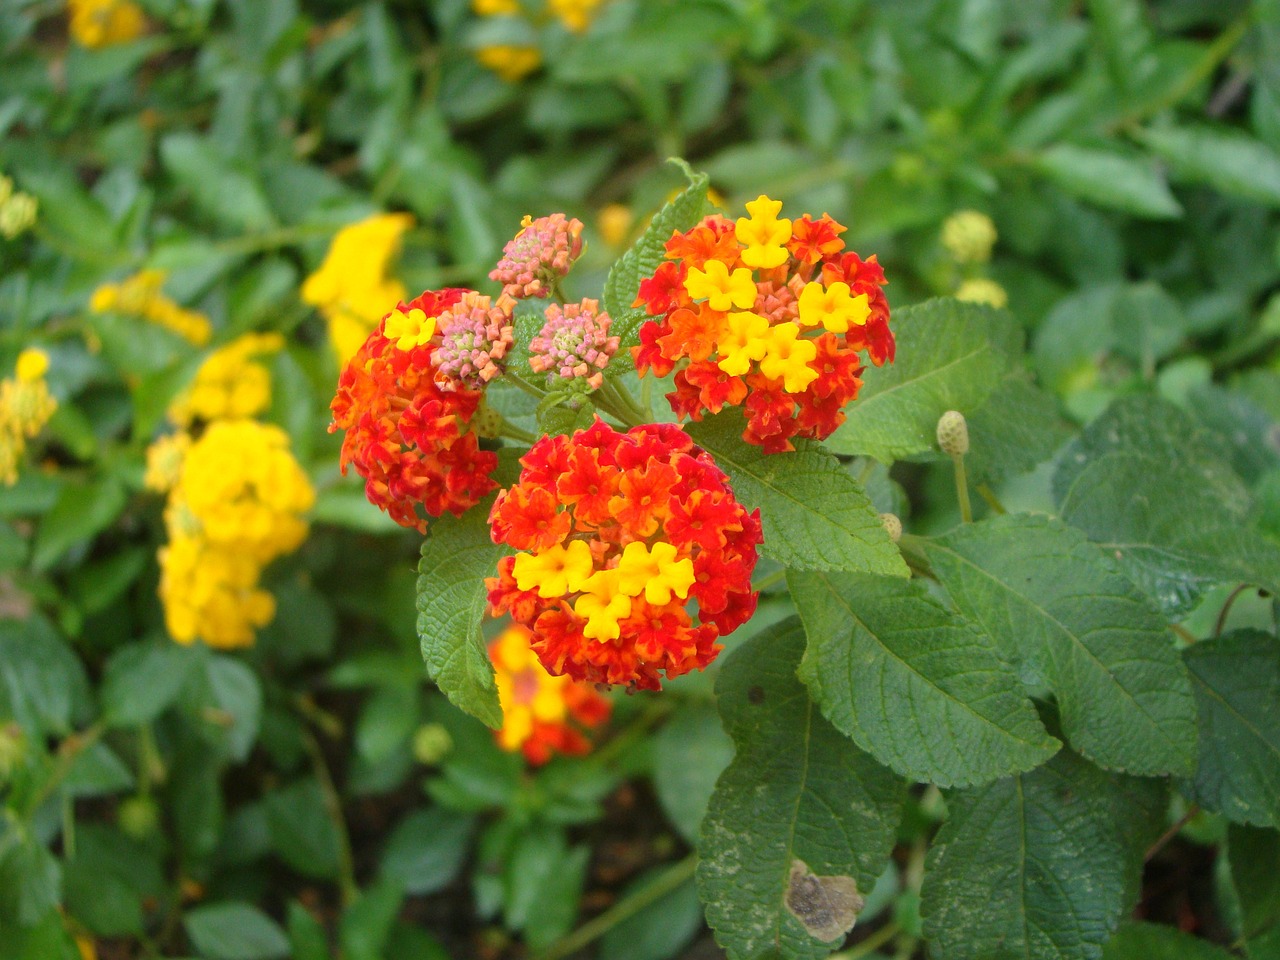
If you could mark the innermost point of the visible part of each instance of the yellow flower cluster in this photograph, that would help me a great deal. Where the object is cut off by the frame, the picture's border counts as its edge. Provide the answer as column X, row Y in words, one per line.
column 969, row 236
column 102, row 23
column 236, row 506
column 17, row 210
column 25, row 407
column 351, row 287
column 230, row 384
column 141, row 296
column 514, row 61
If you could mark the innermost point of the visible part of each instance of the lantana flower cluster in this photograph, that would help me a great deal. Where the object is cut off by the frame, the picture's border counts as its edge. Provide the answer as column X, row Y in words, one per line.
column 25, row 407
column 142, row 295
column 542, row 715
column 104, row 23
column 765, row 313
column 619, row 533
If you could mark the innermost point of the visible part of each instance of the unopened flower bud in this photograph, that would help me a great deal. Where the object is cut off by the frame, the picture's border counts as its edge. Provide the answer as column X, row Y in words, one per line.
column 953, row 433
column 969, row 236
column 138, row 816
column 983, row 290
column 892, row 526
column 431, row 744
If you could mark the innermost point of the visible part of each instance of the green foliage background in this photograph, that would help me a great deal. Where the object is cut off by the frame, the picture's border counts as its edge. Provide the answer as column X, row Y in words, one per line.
column 1017, row 724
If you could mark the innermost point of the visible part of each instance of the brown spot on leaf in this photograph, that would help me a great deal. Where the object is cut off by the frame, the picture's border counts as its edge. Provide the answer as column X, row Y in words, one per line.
column 827, row 906
column 755, row 695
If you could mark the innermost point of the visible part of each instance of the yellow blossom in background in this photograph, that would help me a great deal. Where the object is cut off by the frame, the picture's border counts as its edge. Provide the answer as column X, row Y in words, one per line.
column 236, row 505
column 141, row 296
column 17, row 210
column 614, row 223
column 496, row 8
column 164, row 461
column 969, row 236
column 509, row 61
column 351, row 287
column 982, row 290
column 101, row 23
column 574, row 14
column 230, row 384
column 25, row 407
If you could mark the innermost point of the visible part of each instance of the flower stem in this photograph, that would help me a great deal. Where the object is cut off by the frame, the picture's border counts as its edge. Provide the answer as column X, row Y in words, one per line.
column 962, row 489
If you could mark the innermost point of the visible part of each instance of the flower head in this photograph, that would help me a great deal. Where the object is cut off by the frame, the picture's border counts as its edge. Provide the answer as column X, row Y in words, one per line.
column 230, row 384
column 623, row 538
column 25, row 407
column 141, row 296
column 103, row 23
column 983, row 290
column 539, row 255
column 969, row 236
column 574, row 342
column 541, row 714
column 410, row 438
column 767, row 313
column 474, row 334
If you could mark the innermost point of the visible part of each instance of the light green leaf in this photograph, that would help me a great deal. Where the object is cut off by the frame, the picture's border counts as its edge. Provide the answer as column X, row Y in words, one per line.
column 221, row 188
column 797, row 790
column 41, row 678
column 1236, row 164
column 1059, row 610
column 234, row 931
column 1149, row 941
column 456, row 558
column 1236, row 679
column 683, row 212
column 427, row 849
column 143, row 679
column 951, row 356
column 815, row 516
column 892, row 668
column 660, row 929
column 1109, row 179
column 30, row 877
column 236, row 692
column 1017, row 428
column 1040, row 866
column 1125, row 38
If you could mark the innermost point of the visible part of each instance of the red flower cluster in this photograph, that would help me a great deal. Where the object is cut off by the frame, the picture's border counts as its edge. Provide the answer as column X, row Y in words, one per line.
column 620, row 532
column 407, row 437
column 737, row 306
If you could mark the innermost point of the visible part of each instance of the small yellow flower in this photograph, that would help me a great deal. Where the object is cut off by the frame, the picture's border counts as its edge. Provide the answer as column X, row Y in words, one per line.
column 555, row 571
column 574, row 14
column 409, row 330
column 104, row 23
column 832, row 307
column 614, row 224
column 982, row 290
column 763, row 233
column 969, row 236
column 788, row 356
column 721, row 289
column 32, row 365
column 496, row 8
column 141, row 296
column 511, row 62
column 164, row 461
column 602, row 605
column 654, row 571
column 746, row 340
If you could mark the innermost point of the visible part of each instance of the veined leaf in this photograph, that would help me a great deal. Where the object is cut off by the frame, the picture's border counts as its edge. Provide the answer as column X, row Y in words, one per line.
column 1017, row 428
column 1109, row 179
column 1041, row 865
column 951, row 356
column 815, row 515
column 683, row 212
column 797, row 790
column 1058, row 608
column 456, row 558
column 1150, row 941
column 913, row 684
column 1236, row 164
column 1236, row 679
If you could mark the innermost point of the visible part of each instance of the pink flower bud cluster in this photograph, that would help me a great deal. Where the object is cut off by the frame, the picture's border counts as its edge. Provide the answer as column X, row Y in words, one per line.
column 475, row 334
column 574, row 342
column 539, row 255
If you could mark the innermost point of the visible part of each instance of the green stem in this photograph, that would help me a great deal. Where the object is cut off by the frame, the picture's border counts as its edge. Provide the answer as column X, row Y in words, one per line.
column 872, row 943
column 1226, row 609
column 993, row 501
column 524, row 385
column 677, row 875
column 962, row 489
column 510, row 431
column 333, row 807
column 1172, row 832
column 68, row 751
column 766, row 582
column 1183, row 632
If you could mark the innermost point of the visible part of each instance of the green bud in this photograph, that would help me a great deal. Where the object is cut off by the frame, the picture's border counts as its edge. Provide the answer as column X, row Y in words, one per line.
column 138, row 816
column 431, row 744
column 13, row 749
column 892, row 526
column 953, row 433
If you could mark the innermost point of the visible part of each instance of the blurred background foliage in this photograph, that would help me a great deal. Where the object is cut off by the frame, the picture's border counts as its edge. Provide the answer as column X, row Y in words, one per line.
column 313, row 795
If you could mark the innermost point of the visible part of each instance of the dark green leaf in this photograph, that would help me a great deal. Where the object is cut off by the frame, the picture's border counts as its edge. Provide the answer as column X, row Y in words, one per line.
column 1148, row 941
column 689, row 754
column 143, row 679
column 1229, row 161
column 302, row 831
column 41, row 679
column 82, row 511
column 796, row 791
column 1254, row 856
column 1108, row 179
column 891, row 667
column 1057, row 608
column 1017, row 428
column 427, row 849
column 234, row 931
column 660, row 929
column 30, row 878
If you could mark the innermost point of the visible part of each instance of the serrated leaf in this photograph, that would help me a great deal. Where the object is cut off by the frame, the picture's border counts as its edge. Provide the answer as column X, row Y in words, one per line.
column 1149, row 941
column 1109, row 179
column 815, row 515
column 1236, row 679
column 1231, row 162
column 891, row 667
column 683, row 212
column 1059, row 609
column 797, row 790
column 234, row 931
column 1039, row 866
column 1018, row 428
column 456, row 558
column 1158, row 494
column 951, row 356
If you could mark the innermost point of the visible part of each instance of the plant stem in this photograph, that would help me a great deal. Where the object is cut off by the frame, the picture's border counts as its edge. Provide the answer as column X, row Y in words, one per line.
column 333, row 807
column 68, row 750
column 510, row 431
column 524, row 385
column 1172, row 832
column 765, row 583
column 1183, row 632
column 993, row 501
column 962, row 489
column 593, row 929
column 872, row 943
column 1226, row 609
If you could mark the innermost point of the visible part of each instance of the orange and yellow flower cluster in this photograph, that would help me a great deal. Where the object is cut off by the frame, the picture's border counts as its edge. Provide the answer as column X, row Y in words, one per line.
column 408, row 427
column 765, row 313
column 618, row 533
column 541, row 714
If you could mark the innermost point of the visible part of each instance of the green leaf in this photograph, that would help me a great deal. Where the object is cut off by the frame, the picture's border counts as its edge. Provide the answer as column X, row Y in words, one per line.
column 815, row 515
column 796, row 791
column 1125, row 38
column 224, row 190
column 891, row 667
column 235, row 691
column 1254, row 856
column 30, row 877
column 456, row 558
column 41, row 678
column 143, row 679
column 1149, row 941
column 427, row 849
column 1157, row 492
column 1018, row 428
column 1236, row 679
column 301, row 830
column 1231, row 162
column 683, row 212
column 1108, row 179
column 1041, row 865
column 366, row 923
column 951, row 356
column 1059, row 610
column 234, row 931
column 689, row 754
column 83, row 510
column 660, row 929
column 109, row 878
